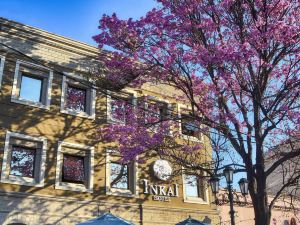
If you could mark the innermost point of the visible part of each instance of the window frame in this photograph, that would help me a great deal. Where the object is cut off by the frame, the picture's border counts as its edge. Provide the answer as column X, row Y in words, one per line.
column 180, row 108
column 42, row 94
column 109, row 100
column 46, row 87
column 169, row 108
column 85, row 108
column 133, row 190
column 39, row 165
column 90, row 97
column 34, row 160
column 77, row 150
column 128, row 173
column 63, row 179
column 204, row 199
column 2, row 62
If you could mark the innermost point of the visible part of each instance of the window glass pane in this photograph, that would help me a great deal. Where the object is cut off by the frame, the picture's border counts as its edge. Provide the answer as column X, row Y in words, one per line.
column 191, row 186
column 76, row 98
column 31, row 88
column 121, row 106
column 117, row 109
column 73, row 169
column 155, row 114
column 119, row 176
column 22, row 161
column 189, row 128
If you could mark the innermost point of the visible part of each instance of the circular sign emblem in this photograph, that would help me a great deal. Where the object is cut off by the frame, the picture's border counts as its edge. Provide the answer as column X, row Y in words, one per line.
column 162, row 169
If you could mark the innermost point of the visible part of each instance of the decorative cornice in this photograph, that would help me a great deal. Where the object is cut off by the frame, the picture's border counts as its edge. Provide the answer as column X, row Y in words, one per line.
column 40, row 36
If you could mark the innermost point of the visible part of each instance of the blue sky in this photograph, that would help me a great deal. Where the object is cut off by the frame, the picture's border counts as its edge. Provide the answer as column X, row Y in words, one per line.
column 76, row 19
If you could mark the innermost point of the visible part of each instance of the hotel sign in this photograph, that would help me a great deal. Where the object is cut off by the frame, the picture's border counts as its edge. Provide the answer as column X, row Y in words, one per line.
column 163, row 171
column 160, row 192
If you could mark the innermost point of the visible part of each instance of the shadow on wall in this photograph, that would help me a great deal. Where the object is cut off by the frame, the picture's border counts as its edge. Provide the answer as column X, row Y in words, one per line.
column 25, row 204
column 47, row 205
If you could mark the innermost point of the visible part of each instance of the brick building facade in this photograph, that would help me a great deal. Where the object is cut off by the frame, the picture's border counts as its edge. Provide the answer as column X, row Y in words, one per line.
column 44, row 135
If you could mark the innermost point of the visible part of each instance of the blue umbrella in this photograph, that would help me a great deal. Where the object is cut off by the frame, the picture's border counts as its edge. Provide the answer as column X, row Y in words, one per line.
column 191, row 221
column 106, row 219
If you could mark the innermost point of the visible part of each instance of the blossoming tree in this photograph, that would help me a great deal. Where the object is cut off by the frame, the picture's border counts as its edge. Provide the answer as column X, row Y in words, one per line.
column 235, row 62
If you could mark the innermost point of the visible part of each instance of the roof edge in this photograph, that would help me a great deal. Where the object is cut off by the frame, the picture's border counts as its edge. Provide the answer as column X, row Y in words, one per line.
column 48, row 35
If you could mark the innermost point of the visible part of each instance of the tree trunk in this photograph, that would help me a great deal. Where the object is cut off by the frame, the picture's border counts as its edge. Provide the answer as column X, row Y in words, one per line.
column 259, row 196
column 262, row 213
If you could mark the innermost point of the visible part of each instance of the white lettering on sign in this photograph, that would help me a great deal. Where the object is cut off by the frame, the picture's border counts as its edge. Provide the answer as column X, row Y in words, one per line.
column 160, row 192
column 161, row 198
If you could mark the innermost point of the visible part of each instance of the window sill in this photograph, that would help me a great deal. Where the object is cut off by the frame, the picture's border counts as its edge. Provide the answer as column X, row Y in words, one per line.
column 115, row 121
column 29, row 103
column 156, row 131
column 121, row 192
column 72, row 187
column 195, row 200
column 21, row 181
column 191, row 138
column 76, row 113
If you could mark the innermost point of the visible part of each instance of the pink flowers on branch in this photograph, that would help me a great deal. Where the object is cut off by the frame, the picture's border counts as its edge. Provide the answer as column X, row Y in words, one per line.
column 236, row 63
column 143, row 124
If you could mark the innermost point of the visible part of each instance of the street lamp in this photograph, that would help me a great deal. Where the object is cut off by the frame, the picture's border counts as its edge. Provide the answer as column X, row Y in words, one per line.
column 214, row 182
column 228, row 173
column 244, row 186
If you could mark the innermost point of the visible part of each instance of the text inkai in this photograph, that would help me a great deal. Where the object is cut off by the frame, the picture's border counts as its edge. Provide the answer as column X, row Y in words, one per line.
column 170, row 191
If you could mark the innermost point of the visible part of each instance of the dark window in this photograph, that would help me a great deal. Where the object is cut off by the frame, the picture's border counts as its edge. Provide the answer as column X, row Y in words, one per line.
column 192, row 186
column 76, row 98
column 31, row 88
column 189, row 127
column 121, row 106
column 22, row 161
column 161, row 111
column 119, row 175
column 156, row 112
column 73, row 169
